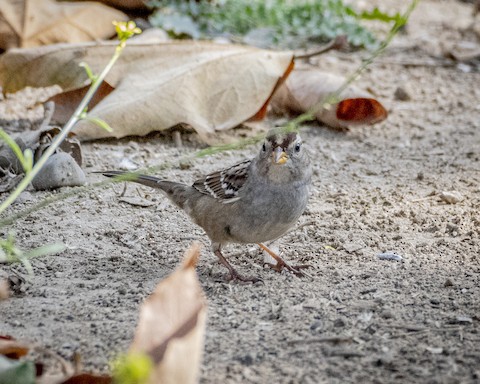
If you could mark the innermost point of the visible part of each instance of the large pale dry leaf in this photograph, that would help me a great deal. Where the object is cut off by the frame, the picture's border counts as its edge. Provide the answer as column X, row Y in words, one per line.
column 30, row 23
column 208, row 86
column 172, row 325
column 306, row 87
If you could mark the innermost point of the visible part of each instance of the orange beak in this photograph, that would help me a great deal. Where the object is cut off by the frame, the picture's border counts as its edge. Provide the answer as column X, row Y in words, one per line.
column 279, row 156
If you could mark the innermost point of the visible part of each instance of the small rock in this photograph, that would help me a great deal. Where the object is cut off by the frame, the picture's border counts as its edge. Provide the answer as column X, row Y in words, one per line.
column 317, row 325
column 185, row 164
column 389, row 256
column 60, row 170
column 122, row 291
column 464, row 319
column 127, row 164
column 401, row 94
column 339, row 323
column 246, row 359
column 448, row 283
column 451, row 197
column 434, row 350
column 387, row 314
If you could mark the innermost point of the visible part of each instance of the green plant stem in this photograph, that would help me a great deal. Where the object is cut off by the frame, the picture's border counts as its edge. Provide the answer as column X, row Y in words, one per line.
column 77, row 115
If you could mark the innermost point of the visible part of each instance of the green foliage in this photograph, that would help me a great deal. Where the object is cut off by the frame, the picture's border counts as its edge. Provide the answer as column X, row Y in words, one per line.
column 134, row 368
column 288, row 23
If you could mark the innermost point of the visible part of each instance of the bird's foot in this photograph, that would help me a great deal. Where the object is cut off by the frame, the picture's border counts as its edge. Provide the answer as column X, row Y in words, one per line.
column 295, row 269
column 234, row 275
column 282, row 264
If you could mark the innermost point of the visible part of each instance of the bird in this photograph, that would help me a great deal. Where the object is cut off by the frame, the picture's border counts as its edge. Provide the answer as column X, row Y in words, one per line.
column 253, row 201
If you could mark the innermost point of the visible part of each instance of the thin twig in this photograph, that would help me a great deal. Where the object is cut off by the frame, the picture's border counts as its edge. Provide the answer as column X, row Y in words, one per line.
column 327, row 339
column 338, row 43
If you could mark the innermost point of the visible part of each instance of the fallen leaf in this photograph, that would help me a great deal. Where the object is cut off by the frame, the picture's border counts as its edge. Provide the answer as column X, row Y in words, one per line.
column 30, row 23
column 4, row 290
column 157, row 86
column 67, row 102
column 306, row 87
column 11, row 348
column 138, row 5
column 172, row 325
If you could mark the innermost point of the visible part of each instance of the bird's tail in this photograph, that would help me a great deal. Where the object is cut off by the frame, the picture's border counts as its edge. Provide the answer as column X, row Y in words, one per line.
column 176, row 192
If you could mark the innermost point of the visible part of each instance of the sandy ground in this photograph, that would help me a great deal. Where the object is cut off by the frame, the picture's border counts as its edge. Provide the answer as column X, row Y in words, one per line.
column 358, row 319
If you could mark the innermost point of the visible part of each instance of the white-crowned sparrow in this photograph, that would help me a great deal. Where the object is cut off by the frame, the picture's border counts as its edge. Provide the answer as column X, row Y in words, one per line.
column 251, row 202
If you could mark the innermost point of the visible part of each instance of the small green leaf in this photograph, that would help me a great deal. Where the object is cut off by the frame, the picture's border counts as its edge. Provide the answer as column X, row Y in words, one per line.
column 376, row 14
column 88, row 71
column 101, row 123
column 28, row 160
column 13, row 146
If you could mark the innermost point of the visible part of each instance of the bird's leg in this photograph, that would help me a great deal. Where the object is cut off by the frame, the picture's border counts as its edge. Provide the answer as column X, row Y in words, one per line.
column 234, row 275
column 281, row 264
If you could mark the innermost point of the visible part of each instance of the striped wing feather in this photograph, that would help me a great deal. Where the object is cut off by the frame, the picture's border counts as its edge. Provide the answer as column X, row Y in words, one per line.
column 226, row 184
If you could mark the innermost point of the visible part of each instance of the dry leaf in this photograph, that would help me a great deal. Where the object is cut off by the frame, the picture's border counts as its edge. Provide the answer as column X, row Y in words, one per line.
column 205, row 85
column 305, row 88
column 172, row 325
column 67, row 102
column 30, row 23
column 11, row 348
column 4, row 290
column 137, row 5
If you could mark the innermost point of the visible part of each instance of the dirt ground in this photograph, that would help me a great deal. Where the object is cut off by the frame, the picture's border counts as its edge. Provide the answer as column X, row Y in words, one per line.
column 358, row 319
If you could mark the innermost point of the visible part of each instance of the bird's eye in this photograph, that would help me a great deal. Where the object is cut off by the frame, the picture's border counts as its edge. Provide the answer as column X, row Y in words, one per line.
column 264, row 147
column 297, row 147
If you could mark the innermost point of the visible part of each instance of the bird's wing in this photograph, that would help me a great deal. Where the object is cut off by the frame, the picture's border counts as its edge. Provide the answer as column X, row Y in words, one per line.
column 226, row 184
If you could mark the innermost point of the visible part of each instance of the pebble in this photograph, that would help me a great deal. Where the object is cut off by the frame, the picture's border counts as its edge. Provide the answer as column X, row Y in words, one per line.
column 401, row 94
column 464, row 319
column 451, row 197
column 389, row 256
column 339, row 323
column 448, row 283
column 60, row 170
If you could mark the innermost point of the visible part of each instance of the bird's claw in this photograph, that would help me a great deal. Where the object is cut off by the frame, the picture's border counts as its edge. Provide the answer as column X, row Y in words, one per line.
column 295, row 269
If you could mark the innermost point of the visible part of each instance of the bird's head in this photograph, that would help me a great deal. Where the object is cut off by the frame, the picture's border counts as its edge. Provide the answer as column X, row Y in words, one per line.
column 282, row 156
